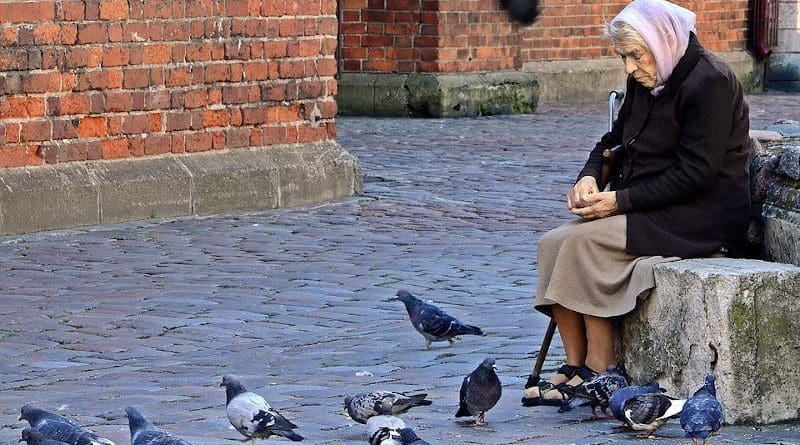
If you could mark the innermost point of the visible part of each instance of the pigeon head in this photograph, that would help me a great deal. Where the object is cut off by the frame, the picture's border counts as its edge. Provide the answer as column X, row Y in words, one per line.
column 30, row 413
column 232, row 387
column 406, row 297
column 487, row 365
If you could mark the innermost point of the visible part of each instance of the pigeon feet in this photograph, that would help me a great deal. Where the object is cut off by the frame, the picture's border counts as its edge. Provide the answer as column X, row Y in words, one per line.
column 480, row 420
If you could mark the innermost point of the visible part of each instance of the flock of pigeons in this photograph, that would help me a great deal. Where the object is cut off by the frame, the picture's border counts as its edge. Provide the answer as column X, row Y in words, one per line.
column 641, row 408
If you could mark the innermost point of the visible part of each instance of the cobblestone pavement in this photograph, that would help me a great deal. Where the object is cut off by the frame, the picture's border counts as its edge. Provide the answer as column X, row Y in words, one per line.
column 153, row 313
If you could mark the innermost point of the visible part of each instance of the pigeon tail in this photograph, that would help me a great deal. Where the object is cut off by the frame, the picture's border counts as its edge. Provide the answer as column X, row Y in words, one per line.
column 102, row 441
column 291, row 435
column 573, row 403
column 419, row 400
column 463, row 411
column 469, row 330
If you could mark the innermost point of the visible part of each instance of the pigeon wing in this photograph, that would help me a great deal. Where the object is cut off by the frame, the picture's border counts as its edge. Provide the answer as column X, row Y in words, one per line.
column 60, row 428
column 242, row 411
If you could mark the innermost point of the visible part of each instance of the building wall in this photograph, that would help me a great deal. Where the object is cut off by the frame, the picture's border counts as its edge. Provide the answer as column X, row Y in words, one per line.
column 108, row 79
column 455, row 36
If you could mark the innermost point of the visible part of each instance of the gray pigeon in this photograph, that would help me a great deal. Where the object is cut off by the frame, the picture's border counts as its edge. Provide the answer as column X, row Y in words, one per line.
column 56, row 427
column 480, row 391
column 617, row 400
column 648, row 412
column 32, row 437
column 702, row 413
column 595, row 392
column 144, row 433
column 363, row 406
column 433, row 323
column 252, row 416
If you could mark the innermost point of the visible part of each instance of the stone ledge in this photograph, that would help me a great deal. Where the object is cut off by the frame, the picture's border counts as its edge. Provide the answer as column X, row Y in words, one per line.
column 437, row 95
column 738, row 319
column 592, row 79
column 101, row 192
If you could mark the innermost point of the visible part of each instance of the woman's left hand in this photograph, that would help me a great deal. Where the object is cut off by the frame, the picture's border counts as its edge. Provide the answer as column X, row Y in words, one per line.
column 600, row 205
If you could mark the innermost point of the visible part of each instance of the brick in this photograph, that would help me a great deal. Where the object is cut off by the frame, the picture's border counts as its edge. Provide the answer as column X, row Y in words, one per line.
column 69, row 34
column 113, row 9
column 215, row 118
column 157, row 144
column 195, row 98
column 20, row 156
column 47, row 34
column 35, row 131
column 156, row 122
column 64, row 129
column 74, row 104
column 157, row 100
column 176, row 121
column 92, row 126
column 12, row 132
column 217, row 72
column 13, row 59
column 198, row 52
column 72, row 10
column 135, row 124
column 114, row 148
column 197, row 142
column 237, row 137
column 136, row 78
column 91, row 33
column 22, row 107
column 116, row 56
column 156, row 54
column 283, row 113
column 41, row 82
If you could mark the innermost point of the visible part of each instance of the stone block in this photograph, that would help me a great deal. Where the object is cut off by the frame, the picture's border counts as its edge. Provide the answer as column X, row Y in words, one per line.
column 46, row 198
column 737, row 319
column 356, row 94
column 132, row 189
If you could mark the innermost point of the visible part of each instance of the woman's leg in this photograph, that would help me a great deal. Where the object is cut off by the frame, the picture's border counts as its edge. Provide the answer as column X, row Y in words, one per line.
column 572, row 329
column 600, row 343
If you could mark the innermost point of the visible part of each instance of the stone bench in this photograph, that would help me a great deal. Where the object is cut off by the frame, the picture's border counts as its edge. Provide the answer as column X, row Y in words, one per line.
column 738, row 319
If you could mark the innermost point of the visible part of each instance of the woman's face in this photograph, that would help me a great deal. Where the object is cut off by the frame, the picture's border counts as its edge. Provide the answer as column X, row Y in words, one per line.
column 639, row 63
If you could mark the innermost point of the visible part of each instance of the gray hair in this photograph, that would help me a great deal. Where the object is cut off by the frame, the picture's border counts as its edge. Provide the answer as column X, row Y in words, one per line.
column 622, row 34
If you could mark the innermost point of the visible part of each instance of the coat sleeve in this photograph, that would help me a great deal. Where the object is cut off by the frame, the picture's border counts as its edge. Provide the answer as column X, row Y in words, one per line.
column 705, row 113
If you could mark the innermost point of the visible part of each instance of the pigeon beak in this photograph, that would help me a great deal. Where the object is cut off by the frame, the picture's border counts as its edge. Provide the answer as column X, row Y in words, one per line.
column 19, row 418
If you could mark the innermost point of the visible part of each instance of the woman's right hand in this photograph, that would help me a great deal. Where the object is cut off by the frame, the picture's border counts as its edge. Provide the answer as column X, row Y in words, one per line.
column 578, row 195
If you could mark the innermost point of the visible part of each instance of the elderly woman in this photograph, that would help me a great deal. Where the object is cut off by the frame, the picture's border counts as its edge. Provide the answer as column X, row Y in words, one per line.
column 682, row 188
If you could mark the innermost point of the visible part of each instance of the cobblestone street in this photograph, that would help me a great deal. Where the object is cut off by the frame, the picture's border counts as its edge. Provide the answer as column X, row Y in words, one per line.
column 293, row 302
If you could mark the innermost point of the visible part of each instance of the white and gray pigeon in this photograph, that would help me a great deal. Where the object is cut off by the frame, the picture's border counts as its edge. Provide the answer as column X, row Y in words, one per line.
column 433, row 323
column 595, row 392
column 384, row 430
column 57, row 427
column 252, row 416
column 617, row 400
column 648, row 412
column 32, row 437
column 702, row 413
column 388, row 403
column 480, row 391
column 144, row 433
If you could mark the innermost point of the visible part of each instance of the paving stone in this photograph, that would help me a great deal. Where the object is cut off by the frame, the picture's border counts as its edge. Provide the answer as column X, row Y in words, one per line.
column 153, row 313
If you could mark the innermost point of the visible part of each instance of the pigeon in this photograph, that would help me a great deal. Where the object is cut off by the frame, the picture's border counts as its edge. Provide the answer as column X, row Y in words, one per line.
column 385, row 430
column 480, row 391
column 363, row 406
column 702, row 413
column 523, row 11
column 595, row 392
column 252, row 416
column 648, row 412
column 622, row 395
column 144, row 433
column 56, row 427
column 433, row 323
column 32, row 437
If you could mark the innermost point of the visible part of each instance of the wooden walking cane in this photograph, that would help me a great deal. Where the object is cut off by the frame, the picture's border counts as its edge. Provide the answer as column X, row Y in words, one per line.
column 610, row 156
column 534, row 378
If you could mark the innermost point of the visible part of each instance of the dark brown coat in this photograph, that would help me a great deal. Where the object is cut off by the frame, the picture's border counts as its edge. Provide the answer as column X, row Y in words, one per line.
column 684, row 183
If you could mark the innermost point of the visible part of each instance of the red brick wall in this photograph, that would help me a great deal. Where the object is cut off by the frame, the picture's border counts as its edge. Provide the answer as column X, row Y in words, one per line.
column 405, row 36
column 105, row 79
column 402, row 36
column 572, row 29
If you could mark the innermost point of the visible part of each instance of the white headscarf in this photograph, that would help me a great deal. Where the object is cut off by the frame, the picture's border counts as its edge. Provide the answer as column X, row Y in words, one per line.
column 665, row 27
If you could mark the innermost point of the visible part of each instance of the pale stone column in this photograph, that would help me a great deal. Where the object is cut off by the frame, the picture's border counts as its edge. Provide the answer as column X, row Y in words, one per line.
column 783, row 68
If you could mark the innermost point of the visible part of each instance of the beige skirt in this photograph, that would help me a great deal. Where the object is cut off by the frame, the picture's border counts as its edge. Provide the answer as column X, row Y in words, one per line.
column 583, row 266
